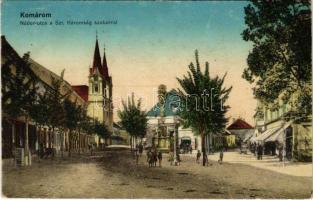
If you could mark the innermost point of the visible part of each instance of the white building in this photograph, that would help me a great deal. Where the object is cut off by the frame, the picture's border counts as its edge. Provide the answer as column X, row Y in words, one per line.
column 169, row 123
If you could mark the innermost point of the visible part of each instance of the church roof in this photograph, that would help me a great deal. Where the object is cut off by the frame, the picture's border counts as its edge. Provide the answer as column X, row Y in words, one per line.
column 171, row 100
column 82, row 91
column 97, row 65
column 105, row 66
column 239, row 124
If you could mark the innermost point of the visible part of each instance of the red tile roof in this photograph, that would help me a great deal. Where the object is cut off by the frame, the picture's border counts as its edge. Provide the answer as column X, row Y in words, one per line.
column 239, row 124
column 81, row 90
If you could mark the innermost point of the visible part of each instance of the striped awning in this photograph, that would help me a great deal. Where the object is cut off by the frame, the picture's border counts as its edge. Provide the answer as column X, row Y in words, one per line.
column 278, row 135
column 266, row 134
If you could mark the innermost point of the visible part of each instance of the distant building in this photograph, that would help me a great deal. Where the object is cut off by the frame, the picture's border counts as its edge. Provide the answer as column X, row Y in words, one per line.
column 241, row 129
column 161, row 129
column 278, row 129
column 119, row 136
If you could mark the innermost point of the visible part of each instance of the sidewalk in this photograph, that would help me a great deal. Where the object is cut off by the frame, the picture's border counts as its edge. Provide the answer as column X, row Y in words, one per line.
column 269, row 162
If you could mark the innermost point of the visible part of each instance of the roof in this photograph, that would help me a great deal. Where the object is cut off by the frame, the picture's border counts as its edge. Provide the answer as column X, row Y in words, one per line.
column 97, row 65
column 239, row 124
column 171, row 100
column 44, row 75
column 105, row 66
column 82, row 91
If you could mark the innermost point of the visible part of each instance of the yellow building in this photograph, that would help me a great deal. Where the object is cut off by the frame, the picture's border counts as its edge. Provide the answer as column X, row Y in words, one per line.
column 278, row 129
column 98, row 93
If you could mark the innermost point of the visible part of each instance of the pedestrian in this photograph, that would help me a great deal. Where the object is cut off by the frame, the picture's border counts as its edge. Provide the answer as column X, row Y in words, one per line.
column 140, row 149
column 91, row 149
column 221, row 156
column 280, row 153
column 178, row 158
column 160, row 158
column 198, row 156
column 261, row 151
column 155, row 157
column 137, row 156
column 149, row 157
column 171, row 157
column 190, row 148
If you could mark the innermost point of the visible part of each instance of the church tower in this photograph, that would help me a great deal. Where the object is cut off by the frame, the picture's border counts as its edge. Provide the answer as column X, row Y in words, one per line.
column 100, row 106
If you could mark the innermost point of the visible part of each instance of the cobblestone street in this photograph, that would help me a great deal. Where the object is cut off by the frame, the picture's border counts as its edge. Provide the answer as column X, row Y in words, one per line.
column 114, row 174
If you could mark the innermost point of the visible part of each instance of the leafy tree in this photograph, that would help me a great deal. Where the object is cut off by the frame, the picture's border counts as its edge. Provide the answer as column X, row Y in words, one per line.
column 54, row 101
column 101, row 130
column 71, row 120
column 280, row 62
column 18, row 91
column 133, row 119
column 202, row 106
column 40, row 109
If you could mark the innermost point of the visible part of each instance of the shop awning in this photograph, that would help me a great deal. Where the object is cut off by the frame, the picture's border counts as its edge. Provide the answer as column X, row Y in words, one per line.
column 278, row 135
column 266, row 134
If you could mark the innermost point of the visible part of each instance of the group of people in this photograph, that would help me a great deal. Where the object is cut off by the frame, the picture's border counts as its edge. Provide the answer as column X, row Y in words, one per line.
column 257, row 149
column 153, row 156
column 187, row 148
column 206, row 160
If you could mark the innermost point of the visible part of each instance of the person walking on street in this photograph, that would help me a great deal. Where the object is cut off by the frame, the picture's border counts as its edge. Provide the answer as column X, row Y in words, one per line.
column 137, row 156
column 140, row 149
column 171, row 157
column 261, row 152
column 149, row 158
column 221, row 156
column 198, row 156
column 160, row 158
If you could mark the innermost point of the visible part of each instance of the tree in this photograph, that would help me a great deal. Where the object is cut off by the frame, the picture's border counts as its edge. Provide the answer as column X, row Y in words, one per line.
column 101, row 130
column 202, row 101
column 56, row 111
column 280, row 62
column 40, row 109
column 19, row 92
column 133, row 119
column 71, row 120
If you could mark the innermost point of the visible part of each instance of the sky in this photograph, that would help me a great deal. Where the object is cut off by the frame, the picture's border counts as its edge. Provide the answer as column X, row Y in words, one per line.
column 152, row 43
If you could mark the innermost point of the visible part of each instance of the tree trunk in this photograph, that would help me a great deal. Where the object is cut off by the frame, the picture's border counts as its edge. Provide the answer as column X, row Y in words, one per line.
column 79, row 141
column 62, row 141
column 203, row 149
column 13, row 139
column 99, row 142
column 131, row 143
column 26, row 142
column 70, row 143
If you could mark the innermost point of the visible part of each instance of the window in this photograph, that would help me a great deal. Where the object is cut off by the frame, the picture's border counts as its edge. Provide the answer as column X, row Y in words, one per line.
column 96, row 88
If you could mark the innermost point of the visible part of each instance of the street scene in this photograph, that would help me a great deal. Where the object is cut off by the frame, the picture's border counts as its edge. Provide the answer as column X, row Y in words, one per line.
column 153, row 100
column 114, row 174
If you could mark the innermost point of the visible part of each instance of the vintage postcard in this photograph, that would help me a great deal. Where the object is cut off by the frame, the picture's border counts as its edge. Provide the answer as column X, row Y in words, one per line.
column 156, row 99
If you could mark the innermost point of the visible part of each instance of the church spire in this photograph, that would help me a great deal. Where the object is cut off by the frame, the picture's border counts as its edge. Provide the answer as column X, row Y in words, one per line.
column 96, row 58
column 105, row 65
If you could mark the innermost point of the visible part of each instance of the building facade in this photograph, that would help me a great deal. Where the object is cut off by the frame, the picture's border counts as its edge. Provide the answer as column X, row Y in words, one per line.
column 241, row 129
column 39, row 136
column 277, row 129
column 162, row 127
column 98, row 93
